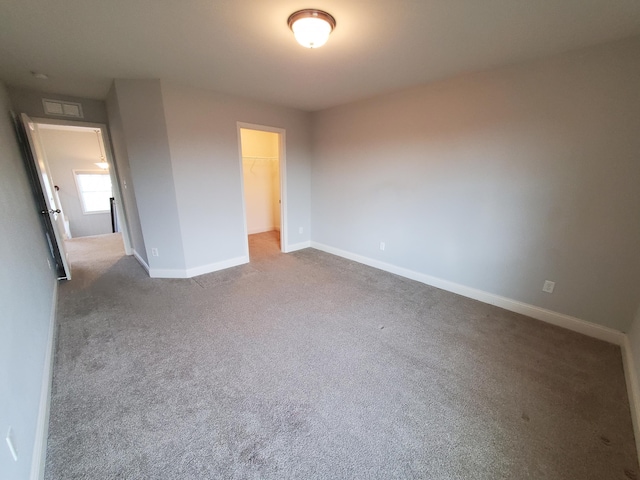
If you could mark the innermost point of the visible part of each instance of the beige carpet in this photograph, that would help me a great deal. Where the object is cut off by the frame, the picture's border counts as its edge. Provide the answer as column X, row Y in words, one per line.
column 309, row 366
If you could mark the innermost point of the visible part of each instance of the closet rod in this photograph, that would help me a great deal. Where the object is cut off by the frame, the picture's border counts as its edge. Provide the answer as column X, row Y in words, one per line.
column 260, row 158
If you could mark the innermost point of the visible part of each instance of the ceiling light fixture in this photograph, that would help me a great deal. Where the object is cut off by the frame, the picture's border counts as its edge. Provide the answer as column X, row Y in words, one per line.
column 311, row 27
column 102, row 163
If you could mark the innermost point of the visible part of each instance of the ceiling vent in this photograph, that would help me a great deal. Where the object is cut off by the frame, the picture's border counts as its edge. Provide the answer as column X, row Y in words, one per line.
column 62, row 109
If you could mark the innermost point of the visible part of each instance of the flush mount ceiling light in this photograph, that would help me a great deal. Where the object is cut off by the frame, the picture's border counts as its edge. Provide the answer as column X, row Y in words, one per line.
column 311, row 27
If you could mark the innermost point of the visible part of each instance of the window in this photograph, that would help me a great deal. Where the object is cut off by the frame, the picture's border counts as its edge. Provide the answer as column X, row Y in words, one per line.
column 95, row 191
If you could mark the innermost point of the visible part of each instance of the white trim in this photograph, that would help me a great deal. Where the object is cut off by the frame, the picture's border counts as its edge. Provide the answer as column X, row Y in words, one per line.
column 282, row 169
column 42, row 426
column 633, row 388
column 284, row 202
column 242, row 194
column 263, row 230
column 214, row 267
column 167, row 273
column 566, row 321
column 113, row 168
column 298, row 246
column 195, row 271
column 140, row 260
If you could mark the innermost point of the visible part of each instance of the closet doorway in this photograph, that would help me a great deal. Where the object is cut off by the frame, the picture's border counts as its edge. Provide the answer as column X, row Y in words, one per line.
column 263, row 177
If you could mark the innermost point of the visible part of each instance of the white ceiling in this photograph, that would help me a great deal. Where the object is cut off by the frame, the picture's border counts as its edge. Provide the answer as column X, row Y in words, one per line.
column 244, row 47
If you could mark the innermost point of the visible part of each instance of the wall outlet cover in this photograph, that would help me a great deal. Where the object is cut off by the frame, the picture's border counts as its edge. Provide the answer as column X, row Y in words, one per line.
column 548, row 286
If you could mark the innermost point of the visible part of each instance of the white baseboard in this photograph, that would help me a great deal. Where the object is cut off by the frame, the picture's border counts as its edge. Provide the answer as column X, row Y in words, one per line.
column 633, row 388
column 42, row 426
column 214, row 267
column 297, row 246
column 253, row 231
column 195, row 271
column 566, row 321
column 141, row 260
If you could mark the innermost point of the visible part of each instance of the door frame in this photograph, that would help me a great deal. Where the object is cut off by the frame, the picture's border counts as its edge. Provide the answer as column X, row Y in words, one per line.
column 282, row 167
column 113, row 170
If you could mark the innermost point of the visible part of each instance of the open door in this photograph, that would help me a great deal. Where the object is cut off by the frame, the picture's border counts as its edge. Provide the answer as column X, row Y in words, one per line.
column 44, row 194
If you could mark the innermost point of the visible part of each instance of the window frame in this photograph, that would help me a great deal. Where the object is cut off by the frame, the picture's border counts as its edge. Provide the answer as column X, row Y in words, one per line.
column 83, row 171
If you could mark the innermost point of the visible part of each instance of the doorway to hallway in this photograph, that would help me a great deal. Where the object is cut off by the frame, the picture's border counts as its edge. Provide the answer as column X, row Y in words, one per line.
column 75, row 168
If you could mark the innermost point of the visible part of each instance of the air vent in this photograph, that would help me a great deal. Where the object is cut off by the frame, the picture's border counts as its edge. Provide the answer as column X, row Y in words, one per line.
column 62, row 109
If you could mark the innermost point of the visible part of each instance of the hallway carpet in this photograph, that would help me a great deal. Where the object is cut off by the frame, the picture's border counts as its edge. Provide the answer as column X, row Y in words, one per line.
column 310, row 366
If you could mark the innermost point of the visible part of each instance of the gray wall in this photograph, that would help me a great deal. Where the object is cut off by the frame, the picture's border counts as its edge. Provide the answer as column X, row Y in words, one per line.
column 634, row 341
column 178, row 147
column 123, row 169
column 144, row 134
column 30, row 102
column 204, row 144
column 27, row 298
column 497, row 181
column 67, row 150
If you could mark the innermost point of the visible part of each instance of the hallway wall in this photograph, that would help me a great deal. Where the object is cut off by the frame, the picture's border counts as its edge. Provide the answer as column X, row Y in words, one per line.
column 28, row 296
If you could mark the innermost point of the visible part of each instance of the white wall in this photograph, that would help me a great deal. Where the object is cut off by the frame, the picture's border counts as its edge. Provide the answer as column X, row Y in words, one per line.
column 261, row 180
column 497, row 181
column 27, row 296
column 67, row 150
column 204, row 144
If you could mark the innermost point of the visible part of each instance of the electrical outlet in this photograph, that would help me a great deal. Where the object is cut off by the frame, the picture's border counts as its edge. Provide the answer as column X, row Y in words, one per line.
column 300, row 230
column 548, row 286
column 154, row 252
column 11, row 445
column 382, row 246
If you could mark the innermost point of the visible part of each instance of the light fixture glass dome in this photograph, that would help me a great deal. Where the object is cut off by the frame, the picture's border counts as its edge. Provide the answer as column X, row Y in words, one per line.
column 311, row 27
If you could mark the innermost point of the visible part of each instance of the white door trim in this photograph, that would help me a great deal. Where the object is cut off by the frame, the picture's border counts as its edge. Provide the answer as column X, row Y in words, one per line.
column 282, row 156
column 113, row 170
